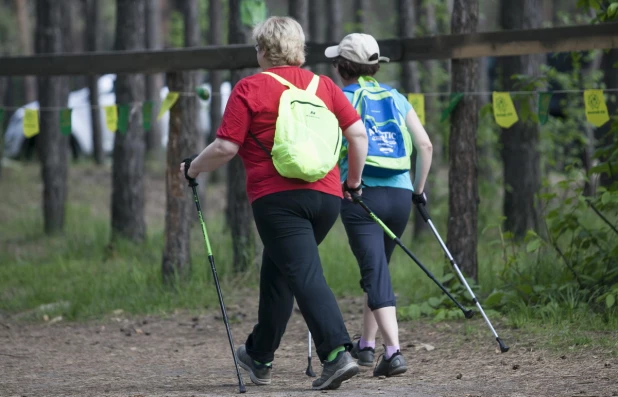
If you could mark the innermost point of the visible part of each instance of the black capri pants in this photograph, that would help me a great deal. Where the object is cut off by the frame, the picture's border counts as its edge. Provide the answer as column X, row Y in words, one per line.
column 370, row 245
column 291, row 225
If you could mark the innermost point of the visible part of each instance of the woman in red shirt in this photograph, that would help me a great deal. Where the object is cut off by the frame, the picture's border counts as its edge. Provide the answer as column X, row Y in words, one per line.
column 292, row 216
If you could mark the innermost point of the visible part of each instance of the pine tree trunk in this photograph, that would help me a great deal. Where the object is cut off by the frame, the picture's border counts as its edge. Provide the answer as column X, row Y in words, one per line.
column 462, row 180
column 4, row 118
column 410, row 84
column 611, row 81
column 26, row 43
column 215, row 37
column 52, row 145
column 179, row 203
column 520, row 153
column 361, row 10
column 299, row 10
column 183, row 141
column 93, row 32
column 154, row 81
column 238, row 212
column 335, row 30
column 128, row 169
column 317, row 30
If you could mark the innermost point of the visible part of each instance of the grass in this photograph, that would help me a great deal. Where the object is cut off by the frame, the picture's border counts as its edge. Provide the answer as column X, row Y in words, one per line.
column 80, row 276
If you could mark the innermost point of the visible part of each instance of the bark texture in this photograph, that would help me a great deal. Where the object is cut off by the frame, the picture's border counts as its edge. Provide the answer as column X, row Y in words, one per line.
column 183, row 141
column 462, row 180
column 334, row 30
column 179, row 204
column 128, row 168
column 238, row 213
column 154, row 81
column 52, row 145
column 520, row 153
column 93, row 43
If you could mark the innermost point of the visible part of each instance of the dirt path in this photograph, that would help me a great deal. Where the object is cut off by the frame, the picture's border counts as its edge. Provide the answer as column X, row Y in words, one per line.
column 189, row 356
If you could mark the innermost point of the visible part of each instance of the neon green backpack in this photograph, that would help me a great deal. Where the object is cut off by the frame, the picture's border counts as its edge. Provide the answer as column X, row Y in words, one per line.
column 307, row 134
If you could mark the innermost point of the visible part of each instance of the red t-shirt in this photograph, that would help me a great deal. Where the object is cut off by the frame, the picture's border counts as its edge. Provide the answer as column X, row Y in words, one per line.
column 253, row 106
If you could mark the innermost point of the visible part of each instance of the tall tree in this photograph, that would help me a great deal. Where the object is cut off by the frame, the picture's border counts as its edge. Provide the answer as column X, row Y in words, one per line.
column 51, row 143
column 238, row 212
column 335, row 29
column 183, row 140
column 361, row 10
column 154, row 81
column 610, row 68
column 93, row 43
column 215, row 37
column 299, row 10
column 462, row 178
column 520, row 153
column 3, row 116
column 128, row 169
column 26, row 43
column 407, row 21
column 317, row 29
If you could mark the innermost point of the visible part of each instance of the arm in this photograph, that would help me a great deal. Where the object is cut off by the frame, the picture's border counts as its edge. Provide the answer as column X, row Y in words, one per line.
column 212, row 157
column 424, row 148
column 357, row 152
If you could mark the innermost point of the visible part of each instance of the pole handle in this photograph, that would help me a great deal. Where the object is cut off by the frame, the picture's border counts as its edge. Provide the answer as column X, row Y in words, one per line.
column 187, row 161
column 423, row 212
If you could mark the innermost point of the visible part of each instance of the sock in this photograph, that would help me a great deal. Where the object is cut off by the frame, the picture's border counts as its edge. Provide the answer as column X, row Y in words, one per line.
column 366, row 343
column 390, row 350
column 259, row 363
column 332, row 355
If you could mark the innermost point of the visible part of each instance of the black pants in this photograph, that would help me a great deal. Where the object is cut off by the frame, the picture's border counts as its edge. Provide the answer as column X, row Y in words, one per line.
column 291, row 224
column 370, row 245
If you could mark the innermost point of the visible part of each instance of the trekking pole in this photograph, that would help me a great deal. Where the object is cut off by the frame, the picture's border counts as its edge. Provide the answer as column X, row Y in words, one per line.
column 211, row 259
column 309, row 371
column 425, row 215
column 389, row 233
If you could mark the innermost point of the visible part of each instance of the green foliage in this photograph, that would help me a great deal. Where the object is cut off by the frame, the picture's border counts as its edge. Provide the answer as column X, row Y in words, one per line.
column 605, row 10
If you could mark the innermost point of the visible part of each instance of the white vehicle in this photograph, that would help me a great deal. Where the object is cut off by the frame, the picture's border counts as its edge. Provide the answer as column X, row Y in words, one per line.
column 16, row 144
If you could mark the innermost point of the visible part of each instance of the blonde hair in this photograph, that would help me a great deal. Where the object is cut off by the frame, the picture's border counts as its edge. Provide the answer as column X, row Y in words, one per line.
column 282, row 39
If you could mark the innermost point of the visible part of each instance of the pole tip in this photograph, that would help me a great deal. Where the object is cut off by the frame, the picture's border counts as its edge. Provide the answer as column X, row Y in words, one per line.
column 242, row 388
column 503, row 348
column 309, row 371
column 468, row 313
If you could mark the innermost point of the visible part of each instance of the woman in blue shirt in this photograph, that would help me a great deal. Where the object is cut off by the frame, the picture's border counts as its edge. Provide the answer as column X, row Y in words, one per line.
column 390, row 198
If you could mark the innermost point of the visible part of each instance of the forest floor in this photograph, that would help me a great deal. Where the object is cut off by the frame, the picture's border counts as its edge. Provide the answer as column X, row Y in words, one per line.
column 188, row 355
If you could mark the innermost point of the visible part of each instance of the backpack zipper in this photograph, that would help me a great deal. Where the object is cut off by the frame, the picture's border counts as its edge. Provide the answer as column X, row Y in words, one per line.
column 307, row 103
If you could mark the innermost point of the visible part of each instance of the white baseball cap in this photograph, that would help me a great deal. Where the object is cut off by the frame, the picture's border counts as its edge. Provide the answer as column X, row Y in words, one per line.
column 357, row 47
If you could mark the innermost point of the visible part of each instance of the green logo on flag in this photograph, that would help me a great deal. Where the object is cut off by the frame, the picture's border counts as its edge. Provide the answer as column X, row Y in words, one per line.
column 453, row 101
column 123, row 118
column 65, row 121
column 544, row 100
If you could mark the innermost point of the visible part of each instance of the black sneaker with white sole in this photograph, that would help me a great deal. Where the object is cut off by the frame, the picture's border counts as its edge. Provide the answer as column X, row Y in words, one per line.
column 364, row 356
column 396, row 365
column 260, row 374
column 335, row 372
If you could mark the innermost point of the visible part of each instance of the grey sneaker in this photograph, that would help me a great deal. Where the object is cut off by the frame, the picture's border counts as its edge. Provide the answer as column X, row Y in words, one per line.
column 396, row 365
column 335, row 372
column 364, row 356
column 259, row 373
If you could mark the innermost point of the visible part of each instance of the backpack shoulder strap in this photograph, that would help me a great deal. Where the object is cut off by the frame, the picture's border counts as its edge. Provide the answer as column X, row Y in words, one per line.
column 313, row 85
column 351, row 88
column 366, row 81
column 281, row 80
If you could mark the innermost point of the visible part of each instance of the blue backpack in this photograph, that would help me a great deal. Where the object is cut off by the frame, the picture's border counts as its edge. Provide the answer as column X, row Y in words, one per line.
column 390, row 143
